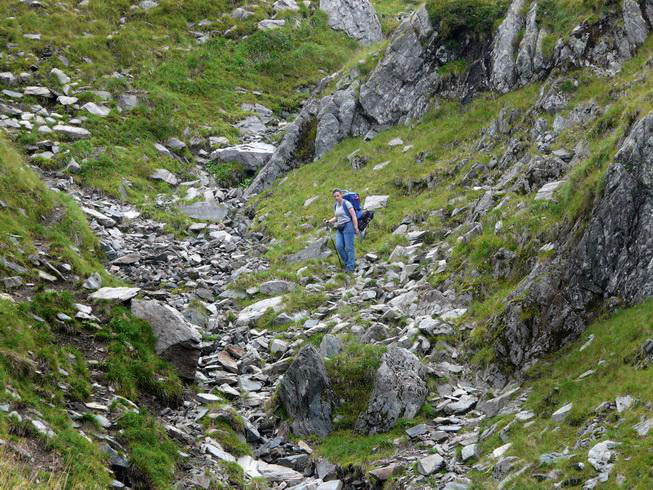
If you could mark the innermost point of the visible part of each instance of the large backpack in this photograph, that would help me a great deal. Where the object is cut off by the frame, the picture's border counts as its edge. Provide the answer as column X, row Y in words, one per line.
column 364, row 216
column 355, row 200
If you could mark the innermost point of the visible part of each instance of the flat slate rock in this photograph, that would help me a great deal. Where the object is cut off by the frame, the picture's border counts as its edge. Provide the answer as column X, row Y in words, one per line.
column 115, row 294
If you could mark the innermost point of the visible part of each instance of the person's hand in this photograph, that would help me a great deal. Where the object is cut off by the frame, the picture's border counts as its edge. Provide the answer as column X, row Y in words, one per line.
column 356, row 231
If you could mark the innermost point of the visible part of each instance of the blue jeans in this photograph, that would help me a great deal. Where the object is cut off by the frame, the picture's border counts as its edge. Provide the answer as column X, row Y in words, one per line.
column 345, row 246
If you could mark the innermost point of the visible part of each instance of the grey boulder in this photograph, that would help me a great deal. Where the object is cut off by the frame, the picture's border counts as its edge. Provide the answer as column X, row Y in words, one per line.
column 251, row 155
column 357, row 18
column 399, row 392
column 305, row 393
column 176, row 340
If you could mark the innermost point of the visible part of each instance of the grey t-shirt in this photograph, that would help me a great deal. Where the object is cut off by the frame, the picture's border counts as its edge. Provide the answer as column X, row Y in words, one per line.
column 342, row 213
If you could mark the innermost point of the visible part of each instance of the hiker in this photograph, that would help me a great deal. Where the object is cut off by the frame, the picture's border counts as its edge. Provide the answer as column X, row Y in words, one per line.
column 346, row 223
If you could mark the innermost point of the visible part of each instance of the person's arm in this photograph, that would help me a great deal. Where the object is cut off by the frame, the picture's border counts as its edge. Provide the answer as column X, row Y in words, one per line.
column 354, row 219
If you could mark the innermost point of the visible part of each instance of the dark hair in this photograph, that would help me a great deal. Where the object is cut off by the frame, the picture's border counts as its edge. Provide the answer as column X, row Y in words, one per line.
column 336, row 190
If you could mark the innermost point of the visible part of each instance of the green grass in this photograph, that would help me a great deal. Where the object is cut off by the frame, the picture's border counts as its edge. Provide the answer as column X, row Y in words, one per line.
column 34, row 215
column 352, row 374
column 456, row 19
column 554, row 382
column 26, row 346
column 152, row 453
column 132, row 365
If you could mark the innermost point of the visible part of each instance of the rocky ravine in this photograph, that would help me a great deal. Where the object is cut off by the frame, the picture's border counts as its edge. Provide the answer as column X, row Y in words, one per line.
column 181, row 286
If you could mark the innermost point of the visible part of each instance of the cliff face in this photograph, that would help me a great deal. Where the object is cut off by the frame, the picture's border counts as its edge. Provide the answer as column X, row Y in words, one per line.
column 613, row 260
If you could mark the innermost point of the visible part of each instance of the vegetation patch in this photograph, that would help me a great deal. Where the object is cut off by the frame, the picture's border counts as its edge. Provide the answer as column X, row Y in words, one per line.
column 352, row 375
column 132, row 364
column 152, row 453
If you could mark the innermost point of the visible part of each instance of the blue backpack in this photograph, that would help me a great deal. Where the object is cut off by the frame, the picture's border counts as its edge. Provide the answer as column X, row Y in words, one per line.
column 355, row 200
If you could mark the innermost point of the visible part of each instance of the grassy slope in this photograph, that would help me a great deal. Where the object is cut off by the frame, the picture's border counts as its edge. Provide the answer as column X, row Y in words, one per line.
column 554, row 382
column 33, row 216
column 185, row 85
column 42, row 368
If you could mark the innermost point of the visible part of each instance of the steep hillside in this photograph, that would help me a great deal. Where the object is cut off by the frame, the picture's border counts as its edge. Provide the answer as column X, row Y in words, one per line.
column 172, row 310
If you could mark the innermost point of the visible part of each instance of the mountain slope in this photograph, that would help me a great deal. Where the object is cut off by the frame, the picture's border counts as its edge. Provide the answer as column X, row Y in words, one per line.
column 174, row 316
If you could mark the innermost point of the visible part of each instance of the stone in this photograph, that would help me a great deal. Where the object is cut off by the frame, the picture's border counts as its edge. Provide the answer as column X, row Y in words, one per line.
column 375, row 202
column 644, row 427
column 253, row 312
column 99, row 217
column 278, row 346
column 601, row 455
column 430, row 464
column 310, row 201
column 330, row 346
column 268, row 24
column 357, row 18
column 331, row 485
column 501, row 450
column 241, row 14
column 207, row 397
column 395, row 142
column 127, row 102
column 335, row 118
column 315, row 250
column 61, row 77
column 560, row 414
column 503, row 72
column 227, row 362
column 306, row 395
column 624, row 403
column 96, row 110
column 215, row 450
column 281, row 5
column 634, row 23
column 116, row 295
column 176, row 340
column 547, row 191
column 399, row 392
column 65, row 100
column 42, row 428
column 164, row 176
column 252, row 155
column 469, row 452
column 461, row 406
column 206, row 210
column 37, row 91
column 72, row 132
column 276, row 287
column 417, row 431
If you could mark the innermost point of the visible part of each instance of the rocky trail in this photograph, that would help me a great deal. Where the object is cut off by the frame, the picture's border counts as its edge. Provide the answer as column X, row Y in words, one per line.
column 181, row 286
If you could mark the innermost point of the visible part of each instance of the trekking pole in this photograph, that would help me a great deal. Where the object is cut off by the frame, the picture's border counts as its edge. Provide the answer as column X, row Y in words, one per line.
column 334, row 246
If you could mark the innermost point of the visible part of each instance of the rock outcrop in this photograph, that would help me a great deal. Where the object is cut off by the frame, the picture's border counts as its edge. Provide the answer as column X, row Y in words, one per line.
column 305, row 393
column 176, row 340
column 356, row 18
column 399, row 392
column 403, row 84
column 612, row 259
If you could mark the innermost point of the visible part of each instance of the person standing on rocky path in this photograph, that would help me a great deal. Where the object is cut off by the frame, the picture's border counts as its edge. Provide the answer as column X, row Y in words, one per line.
column 346, row 224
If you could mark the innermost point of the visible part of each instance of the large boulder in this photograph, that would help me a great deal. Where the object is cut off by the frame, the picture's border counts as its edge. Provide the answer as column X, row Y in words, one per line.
column 176, row 340
column 504, row 75
column 306, row 395
column 356, row 18
column 399, row 392
column 251, row 155
column 401, row 86
column 613, row 258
